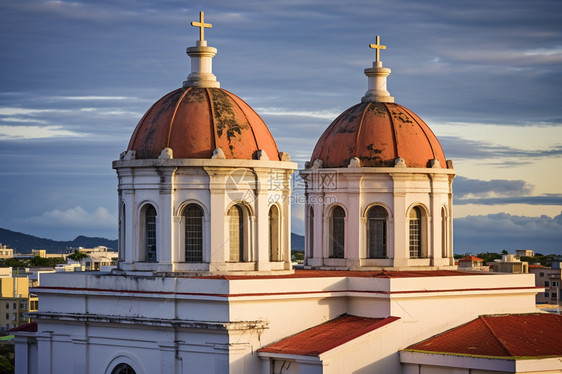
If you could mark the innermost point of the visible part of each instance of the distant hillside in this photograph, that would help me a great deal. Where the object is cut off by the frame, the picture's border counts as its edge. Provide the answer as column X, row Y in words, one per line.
column 24, row 243
column 297, row 242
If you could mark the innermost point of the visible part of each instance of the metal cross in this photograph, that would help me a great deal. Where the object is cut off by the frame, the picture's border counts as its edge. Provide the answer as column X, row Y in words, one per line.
column 378, row 47
column 202, row 25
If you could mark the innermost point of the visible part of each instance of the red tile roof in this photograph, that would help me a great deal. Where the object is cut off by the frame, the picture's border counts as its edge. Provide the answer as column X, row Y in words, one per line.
column 528, row 335
column 347, row 273
column 470, row 259
column 329, row 335
column 29, row 327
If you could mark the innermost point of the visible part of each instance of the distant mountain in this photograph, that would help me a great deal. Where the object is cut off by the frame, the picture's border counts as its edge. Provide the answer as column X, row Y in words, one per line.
column 24, row 243
column 297, row 242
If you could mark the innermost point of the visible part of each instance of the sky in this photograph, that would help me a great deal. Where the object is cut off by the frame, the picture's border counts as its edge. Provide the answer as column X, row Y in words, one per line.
column 485, row 75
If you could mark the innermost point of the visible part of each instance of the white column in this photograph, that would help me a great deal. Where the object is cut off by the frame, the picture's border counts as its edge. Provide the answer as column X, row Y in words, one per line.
column 165, row 233
column 80, row 354
column 219, row 239
column 261, row 205
column 167, row 357
column 22, row 353
column 44, row 352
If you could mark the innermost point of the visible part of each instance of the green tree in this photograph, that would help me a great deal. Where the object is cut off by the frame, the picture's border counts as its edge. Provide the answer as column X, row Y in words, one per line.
column 489, row 256
column 77, row 255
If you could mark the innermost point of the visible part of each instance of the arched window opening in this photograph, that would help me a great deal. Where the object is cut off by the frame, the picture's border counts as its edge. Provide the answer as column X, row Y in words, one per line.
column 444, row 234
column 193, row 218
column 123, row 369
column 337, row 233
column 415, row 233
column 274, row 254
column 310, row 232
column 236, row 237
column 377, row 218
column 150, row 233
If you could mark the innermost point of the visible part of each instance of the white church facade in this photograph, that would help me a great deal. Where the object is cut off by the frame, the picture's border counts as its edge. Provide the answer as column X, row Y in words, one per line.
column 205, row 283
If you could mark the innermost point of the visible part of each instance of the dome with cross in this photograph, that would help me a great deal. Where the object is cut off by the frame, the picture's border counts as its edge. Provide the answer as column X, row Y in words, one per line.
column 201, row 120
column 378, row 132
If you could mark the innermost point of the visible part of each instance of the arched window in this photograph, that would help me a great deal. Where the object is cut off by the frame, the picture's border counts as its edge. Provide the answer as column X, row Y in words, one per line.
column 444, row 234
column 415, row 233
column 311, row 231
column 337, row 233
column 236, row 237
column 274, row 254
column 150, row 233
column 377, row 218
column 193, row 218
column 123, row 369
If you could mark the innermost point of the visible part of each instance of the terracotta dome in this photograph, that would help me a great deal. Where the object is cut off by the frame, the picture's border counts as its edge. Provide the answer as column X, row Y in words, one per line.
column 194, row 121
column 378, row 133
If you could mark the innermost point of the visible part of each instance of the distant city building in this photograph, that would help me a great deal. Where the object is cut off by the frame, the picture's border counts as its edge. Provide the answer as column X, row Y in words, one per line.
column 15, row 302
column 98, row 258
column 6, row 252
column 550, row 279
column 510, row 264
column 471, row 263
column 524, row 252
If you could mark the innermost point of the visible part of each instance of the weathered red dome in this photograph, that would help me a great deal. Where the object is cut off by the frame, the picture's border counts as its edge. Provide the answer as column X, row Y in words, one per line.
column 378, row 133
column 194, row 121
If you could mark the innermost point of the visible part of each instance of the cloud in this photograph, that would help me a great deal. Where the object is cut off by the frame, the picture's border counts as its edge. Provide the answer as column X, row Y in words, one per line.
column 35, row 132
column 459, row 148
column 75, row 218
column 495, row 187
column 494, row 232
column 546, row 199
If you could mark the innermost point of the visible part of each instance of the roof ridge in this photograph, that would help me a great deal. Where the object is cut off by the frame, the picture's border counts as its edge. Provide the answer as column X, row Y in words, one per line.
column 498, row 339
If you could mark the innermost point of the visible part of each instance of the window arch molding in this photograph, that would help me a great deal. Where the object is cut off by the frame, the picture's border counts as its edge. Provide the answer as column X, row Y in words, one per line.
column 337, row 230
column 125, row 358
column 148, row 232
column 185, row 203
column 240, row 230
column 417, row 230
column 377, row 217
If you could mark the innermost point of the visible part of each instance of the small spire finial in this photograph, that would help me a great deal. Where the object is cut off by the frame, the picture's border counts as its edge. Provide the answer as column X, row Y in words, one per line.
column 201, row 59
column 378, row 48
column 376, row 78
column 202, row 25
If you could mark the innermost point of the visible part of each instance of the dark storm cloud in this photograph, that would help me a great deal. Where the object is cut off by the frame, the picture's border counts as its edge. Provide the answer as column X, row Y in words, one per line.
column 495, row 232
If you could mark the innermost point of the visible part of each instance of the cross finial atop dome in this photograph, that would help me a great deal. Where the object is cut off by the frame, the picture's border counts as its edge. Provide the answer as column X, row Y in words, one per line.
column 376, row 46
column 376, row 75
column 201, row 59
column 202, row 25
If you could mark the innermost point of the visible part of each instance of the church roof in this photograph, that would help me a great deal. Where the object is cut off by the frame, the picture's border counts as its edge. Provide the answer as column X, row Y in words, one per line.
column 201, row 120
column 470, row 259
column 378, row 133
column 194, row 121
column 327, row 336
column 28, row 327
column 511, row 336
